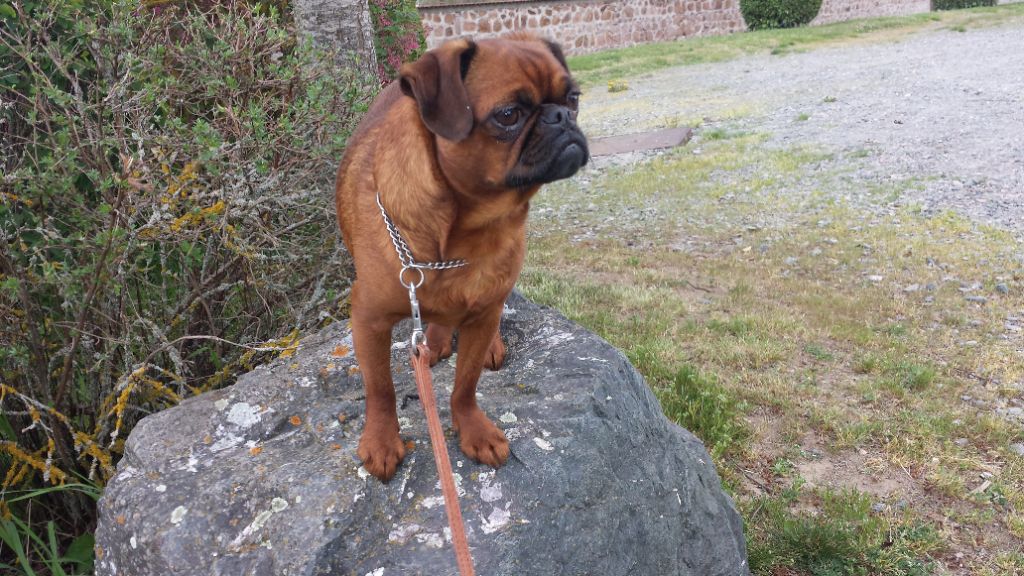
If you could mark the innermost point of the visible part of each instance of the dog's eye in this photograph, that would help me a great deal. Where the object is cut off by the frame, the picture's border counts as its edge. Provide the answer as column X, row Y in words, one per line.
column 508, row 116
column 574, row 101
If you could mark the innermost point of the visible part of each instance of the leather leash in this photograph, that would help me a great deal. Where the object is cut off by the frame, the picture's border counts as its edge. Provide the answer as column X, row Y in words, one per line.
column 419, row 355
column 424, row 384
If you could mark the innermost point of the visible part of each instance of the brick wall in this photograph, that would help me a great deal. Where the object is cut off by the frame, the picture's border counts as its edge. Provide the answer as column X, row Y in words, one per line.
column 583, row 26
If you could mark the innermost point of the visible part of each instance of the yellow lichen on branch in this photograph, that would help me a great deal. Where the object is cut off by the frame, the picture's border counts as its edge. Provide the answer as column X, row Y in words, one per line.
column 34, row 460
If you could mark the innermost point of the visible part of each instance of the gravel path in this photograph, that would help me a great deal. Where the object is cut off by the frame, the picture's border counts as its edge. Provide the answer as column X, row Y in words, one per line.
column 942, row 108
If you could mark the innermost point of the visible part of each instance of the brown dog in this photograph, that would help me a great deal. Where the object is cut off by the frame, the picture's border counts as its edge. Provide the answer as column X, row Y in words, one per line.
column 454, row 151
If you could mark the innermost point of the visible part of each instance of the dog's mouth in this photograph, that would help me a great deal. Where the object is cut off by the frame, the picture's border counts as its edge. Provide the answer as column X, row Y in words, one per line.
column 550, row 161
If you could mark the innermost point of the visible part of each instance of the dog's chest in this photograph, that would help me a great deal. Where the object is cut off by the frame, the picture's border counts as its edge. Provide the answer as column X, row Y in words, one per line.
column 486, row 280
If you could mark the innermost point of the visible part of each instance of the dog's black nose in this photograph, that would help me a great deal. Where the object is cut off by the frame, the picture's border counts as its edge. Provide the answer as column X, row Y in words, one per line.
column 554, row 114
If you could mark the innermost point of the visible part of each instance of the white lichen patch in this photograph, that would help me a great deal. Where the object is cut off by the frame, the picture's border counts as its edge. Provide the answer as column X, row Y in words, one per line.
column 458, row 484
column 227, row 441
column 377, row 572
column 160, row 488
column 243, row 414
column 178, row 514
column 543, row 444
column 491, row 493
column 363, row 473
column 400, row 534
column 430, row 540
column 555, row 339
column 432, row 502
column 278, row 504
column 221, row 404
column 133, row 542
column 260, row 520
column 498, row 519
column 508, row 418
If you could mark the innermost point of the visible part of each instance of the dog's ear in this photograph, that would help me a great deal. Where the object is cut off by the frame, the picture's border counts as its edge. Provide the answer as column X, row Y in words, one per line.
column 436, row 82
column 556, row 50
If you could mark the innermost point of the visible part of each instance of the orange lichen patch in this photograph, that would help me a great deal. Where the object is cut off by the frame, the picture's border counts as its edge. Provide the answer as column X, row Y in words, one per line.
column 207, row 439
column 353, row 370
column 342, row 418
column 410, row 445
column 340, row 351
column 295, row 420
column 335, row 446
column 121, row 519
column 255, row 450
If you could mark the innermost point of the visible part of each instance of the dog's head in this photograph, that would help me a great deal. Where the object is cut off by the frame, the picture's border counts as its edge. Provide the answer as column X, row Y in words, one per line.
column 503, row 112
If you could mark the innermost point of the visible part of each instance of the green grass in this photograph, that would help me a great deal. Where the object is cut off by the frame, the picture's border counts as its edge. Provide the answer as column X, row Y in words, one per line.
column 625, row 63
column 25, row 551
column 758, row 356
column 845, row 538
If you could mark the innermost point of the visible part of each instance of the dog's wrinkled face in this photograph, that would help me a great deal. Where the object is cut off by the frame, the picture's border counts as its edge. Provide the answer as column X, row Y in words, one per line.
column 504, row 113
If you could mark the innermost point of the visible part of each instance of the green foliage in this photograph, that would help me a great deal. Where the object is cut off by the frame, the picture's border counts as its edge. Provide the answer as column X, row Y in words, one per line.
column 398, row 35
column 846, row 538
column 165, row 218
column 958, row 4
column 26, row 549
column 765, row 14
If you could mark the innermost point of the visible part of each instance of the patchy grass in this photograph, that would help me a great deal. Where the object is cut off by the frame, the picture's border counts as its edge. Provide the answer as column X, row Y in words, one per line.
column 822, row 347
column 598, row 68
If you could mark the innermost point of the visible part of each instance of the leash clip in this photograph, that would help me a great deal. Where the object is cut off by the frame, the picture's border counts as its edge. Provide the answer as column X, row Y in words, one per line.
column 418, row 337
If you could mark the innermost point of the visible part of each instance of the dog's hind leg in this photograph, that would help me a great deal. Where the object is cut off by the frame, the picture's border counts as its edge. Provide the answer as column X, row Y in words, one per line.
column 380, row 447
column 439, row 340
column 479, row 438
column 495, row 353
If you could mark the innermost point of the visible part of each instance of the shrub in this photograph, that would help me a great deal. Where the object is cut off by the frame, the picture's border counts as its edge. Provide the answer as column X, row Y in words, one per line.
column 764, row 14
column 958, row 4
column 165, row 219
column 398, row 35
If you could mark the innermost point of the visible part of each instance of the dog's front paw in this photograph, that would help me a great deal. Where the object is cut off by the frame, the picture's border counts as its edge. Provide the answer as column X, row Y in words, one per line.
column 381, row 452
column 480, row 439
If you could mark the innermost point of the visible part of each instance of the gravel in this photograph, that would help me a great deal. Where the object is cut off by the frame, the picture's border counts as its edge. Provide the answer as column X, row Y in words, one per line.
column 943, row 109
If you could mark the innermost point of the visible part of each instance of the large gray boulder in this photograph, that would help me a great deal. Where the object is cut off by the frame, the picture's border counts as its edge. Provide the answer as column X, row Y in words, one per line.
column 262, row 478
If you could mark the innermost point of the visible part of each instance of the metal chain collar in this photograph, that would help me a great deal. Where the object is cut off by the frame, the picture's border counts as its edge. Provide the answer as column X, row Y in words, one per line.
column 410, row 263
column 405, row 254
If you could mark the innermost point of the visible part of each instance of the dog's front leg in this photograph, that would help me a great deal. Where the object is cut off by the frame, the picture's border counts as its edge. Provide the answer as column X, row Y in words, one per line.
column 380, row 447
column 479, row 438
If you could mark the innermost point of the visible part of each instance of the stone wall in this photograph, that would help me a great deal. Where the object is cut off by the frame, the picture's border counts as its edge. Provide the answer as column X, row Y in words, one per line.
column 840, row 10
column 583, row 26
